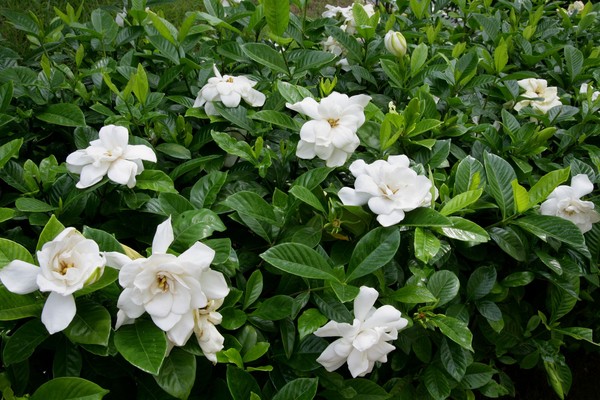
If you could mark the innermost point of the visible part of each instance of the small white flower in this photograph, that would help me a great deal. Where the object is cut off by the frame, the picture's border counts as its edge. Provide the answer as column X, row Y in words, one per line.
column 209, row 338
column 538, row 95
column 395, row 43
column 169, row 287
column 565, row 201
column 390, row 188
column 67, row 264
column 366, row 340
column 575, row 7
column 110, row 154
column 120, row 18
column 333, row 46
column 583, row 89
column 229, row 90
column 331, row 134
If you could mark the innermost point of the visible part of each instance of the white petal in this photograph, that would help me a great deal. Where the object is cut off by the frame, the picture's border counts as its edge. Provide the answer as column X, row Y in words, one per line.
column 198, row 256
column 160, row 305
column 351, row 197
column 231, row 100
column 115, row 259
column 386, row 316
column 400, row 161
column 308, row 107
column 168, row 322
column 113, row 136
column 364, row 302
column 392, row 218
column 305, row 150
column 121, row 171
column 79, row 158
column 128, row 307
column 337, row 158
column 255, row 98
column 366, row 339
column 360, row 99
column 333, row 328
column 20, row 277
column 381, row 205
column 92, row 174
column 139, row 152
column 214, row 284
column 58, row 312
column 181, row 331
column 163, row 238
column 358, row 167
column 358, row 363
column 330, row 359
column 581, row 185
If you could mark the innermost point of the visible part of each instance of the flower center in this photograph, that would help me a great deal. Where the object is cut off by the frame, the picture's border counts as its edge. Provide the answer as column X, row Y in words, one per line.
column 64, row 266
column 163, row 284
column 333, row 122
column 229, row 80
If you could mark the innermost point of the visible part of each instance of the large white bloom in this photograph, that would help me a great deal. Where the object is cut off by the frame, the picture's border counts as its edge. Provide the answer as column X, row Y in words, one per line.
column 110, row 154
column 390, row 188
column 565, row 201
column 229, row 90
column 67, row 264
column 331, row 134
column 347, row 15
column 169, row 287
column 538, row 95
column 366, row 340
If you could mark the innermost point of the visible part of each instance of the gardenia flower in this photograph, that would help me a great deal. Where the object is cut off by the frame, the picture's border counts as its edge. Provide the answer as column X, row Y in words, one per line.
column 331, row 134
column 366, row 340
column 229, row 90
column 390, row 188
column 67, row 264
column 395, row 43
column 583, row 89
column 565, row 201
column 209, row 338
column 110, row 154
column 333, row 46
column 120, row 18
column 348, row 25
column 575, row 7
column 169, row 287
column 538, row 95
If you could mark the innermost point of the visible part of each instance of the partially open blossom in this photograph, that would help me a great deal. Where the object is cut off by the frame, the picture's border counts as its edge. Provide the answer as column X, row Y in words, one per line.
column 366, row 340
column 395, row 43
column 538, row 95
column 583, row 89
column 109, row 155
column 169, row 287
column 209, row 338
column 390, row 188
column 229, row 90
column 331, row 132
column 67, row 264
column 565, row 201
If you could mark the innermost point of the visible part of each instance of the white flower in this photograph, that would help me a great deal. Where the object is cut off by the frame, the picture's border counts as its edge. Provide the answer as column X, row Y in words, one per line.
column 390, row 188
column 111, row 155
column 120, row 18
column 67, row 264
column 538, row 95
column 583, row 89
column 331, row 134
column 209, row 338
column 575, row 7
column 564, row 201
column 169, row 287
column 333, row 46
column 226, row 3
column 366, row 340
column 395, row 43
column 349, row 25
column 229, row 90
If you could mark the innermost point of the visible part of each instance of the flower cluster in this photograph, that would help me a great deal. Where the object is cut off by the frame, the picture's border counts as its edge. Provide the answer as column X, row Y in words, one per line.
column 538, row 95
column 67, row 264
column 331, row 134
column 366, row 340
column 110, row 155
column 565, row 201
column 229, row 90
column 332, row 46
column 390, row 188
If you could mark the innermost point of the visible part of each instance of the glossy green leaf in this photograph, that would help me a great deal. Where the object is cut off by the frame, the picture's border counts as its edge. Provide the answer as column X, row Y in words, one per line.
column 464, row 230
column 52, row 228
column 547, row 226
column 16, row 306
column 461, row 201
column 91, row 324
column 426, row 245
column 69, row 388
column 64, row 114
column 300, row 260
column 546, row 184
column 156, row 181
column 10, row 251
column 436, row 382
column 24, row 341
column 509, row 241
column 453, row 359
column 251, row 204
column 444, row 286
column 9, row 150
column 413, row 294
column 481, row 282
column 517, row 279
column 425, row 217
column 205, row 191
column 373, row 251
column 178, row 373
column 142, row 344
column 306, row 196
column 277, row 14
column 470, row 175
column 298, row 389
column 455, row 330
column 500, row 174
column 254, row 288
column 241, row 383
column 274, row 308
column 265, row 55
column 309, row 321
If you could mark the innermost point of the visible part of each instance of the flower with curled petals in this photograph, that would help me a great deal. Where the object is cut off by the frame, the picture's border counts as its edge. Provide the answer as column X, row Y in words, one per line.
column 169, row 287
column 109, row 155
column 390, row 188
column 331, row 132
column 538, row 95
column 67, row 263
column 366, row 340
column 565, row 202
column 229, row 90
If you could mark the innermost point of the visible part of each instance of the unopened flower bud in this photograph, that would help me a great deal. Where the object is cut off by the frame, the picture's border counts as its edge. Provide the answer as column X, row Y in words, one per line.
column 395, row 43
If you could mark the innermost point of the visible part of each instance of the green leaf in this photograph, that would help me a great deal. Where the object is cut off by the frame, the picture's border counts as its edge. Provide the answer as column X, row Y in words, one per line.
column 232, row 318
column 67, row 359
column 50, row 231
column 254, row 288
column 143, row 344
column 276, row 118
column 469, row 175
column 251, row 204
column 573, row 61
column 6, row 214
column 194, row 225
column 373, row 251
column 500, row 174
column 174, row 150
column 393, row 72
column 293, row 93
column 24, row 341
column 444, row 286
column 256, row 352
column 10, row 150
column 205, row 191
column 277, row 14
column 418, row 58
column 425, row 217
column 313, row 177
column 10, row 251
column 464, row 230
column 461, row 201
column 156, row 181
column 241, row 383
column 265, row 55
column 109, row 276
column 69, row 388
column 298, row 389
column 500, row 56
column 236, row 115
column 140, row 84
column 307, row 60
column 177, row 374
column 309, row 321
column 547, row 226
column 546, row 184
column 91, row 324
column 453, row 359
column 165, row 48
column 481, row 282
column 413, row 295
column 64, row 114
column 300, row 260
column 517, row 279
column 305, row 195
column 348, row 41
column 477, row 375
column 435, row 381
column 105, row 240
column 17, row 306
column 509, row 241
column 455, row 330
column 489, row 25
column 578, row 333
column 426, row 245
column 521, row 197
column 274, row 308
column 419, row 8
column 28, row 204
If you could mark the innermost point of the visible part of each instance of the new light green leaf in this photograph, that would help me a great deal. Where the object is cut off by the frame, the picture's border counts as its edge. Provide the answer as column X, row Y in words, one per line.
column 546, row 184
column 461, row 201
column 277, row 14
column 9, row 150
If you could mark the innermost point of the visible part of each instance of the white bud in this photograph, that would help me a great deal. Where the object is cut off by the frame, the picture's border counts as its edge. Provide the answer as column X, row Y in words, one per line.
column 395, row 43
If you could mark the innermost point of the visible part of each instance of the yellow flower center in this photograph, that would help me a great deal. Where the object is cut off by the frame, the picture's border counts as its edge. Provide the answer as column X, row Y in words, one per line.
column 229, row 80
column 162, row 283
column 333, row 122
column 64, row 266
